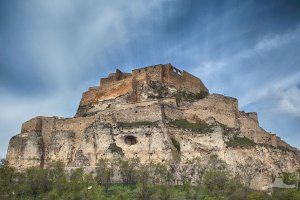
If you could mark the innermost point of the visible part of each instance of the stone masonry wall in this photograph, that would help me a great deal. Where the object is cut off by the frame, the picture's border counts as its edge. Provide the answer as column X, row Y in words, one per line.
column 119, row 83
column 223, row 109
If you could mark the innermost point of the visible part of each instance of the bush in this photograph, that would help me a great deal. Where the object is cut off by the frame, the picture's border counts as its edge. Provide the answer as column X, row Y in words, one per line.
column 115, row 149
column 215, row 182
column 286, row 194
column 136, row 124
column 104, row 173
column 176, row 144
column 257, row 195
column 7, row 176
column 128, row 171
column 199, row 126
column 188, row 96
column 242, row 142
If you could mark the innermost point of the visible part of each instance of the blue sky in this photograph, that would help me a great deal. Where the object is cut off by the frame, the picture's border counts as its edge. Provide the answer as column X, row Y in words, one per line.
column 52, row 51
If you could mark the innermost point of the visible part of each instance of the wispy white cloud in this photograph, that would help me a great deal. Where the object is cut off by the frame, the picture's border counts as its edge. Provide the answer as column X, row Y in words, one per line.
column 289, row 101
column 64, row 41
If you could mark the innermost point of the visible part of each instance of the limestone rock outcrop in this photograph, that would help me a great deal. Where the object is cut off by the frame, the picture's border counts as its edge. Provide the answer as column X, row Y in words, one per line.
column 141, row 114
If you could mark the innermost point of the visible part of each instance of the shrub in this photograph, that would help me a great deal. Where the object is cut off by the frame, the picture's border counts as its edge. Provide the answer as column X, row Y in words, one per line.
column 286, row 194
column 104, row 173
column 188, row 96
column 215, row 182
column 128, row 170
column 199, row 126
column 257, row 195
column 242, row 142
column 161, row 89
column 176, row 144
column 115, row 149
column 136, row 124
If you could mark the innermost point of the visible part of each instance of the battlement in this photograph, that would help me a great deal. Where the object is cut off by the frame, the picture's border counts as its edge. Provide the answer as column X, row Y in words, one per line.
column 166, row 74
column 120, row 83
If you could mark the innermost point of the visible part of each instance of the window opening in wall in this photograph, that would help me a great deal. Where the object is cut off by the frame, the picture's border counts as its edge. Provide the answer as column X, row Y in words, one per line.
column 125, row 76
column 139, row 70
column 130, row 140
column 145, row 69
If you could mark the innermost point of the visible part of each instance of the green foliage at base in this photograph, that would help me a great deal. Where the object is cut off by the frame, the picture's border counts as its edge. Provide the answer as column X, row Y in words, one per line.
column 241, row 142
column 286, row 194
column 289, row 178
column 256, row 195
column 136, row 124
column 115, row 149
column 199, row 126
column 140, row 181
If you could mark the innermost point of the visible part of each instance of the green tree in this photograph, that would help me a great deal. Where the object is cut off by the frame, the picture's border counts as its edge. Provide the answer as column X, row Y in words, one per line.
column 76, row 184
column 57, row 177
column 215, row 182
column 37, row 181
column 162, row 175
column 128, row 171
column 7, row 178
column 104, row 172
column 145, row 189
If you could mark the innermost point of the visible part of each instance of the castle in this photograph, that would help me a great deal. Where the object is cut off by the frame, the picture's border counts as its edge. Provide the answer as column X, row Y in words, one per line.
column 140, row 114
column 119, row 83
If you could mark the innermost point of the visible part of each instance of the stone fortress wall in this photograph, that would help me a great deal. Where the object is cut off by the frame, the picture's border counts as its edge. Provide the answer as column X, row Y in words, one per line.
column 225, row 110
column 119, row 83
column 53, row 138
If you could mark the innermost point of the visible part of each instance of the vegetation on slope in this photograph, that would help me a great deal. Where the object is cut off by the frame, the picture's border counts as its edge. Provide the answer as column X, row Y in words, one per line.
column 242, row 142
column 188, row 96
column 115, row 149
column 176, row 144
column 136, row 124
column 139, row 181
column 200, row 126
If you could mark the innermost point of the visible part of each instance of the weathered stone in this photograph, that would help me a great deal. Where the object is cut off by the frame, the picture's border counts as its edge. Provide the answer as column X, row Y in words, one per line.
column 157, row 114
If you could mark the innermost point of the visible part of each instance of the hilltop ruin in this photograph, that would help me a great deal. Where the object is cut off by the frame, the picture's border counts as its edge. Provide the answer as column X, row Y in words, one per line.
column 146, row 114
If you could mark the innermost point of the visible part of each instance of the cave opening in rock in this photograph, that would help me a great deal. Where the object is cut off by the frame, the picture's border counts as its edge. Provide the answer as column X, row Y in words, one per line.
column 130, row 140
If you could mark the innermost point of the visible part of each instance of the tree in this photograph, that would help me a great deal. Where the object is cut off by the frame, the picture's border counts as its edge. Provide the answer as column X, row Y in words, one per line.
column 215, row 182
column 76, row 183
column 162, row 174
column 37, row 181
column 128, row 171
column 7, row 178
column 145, row 189
column 104, row 172
column 57, row 177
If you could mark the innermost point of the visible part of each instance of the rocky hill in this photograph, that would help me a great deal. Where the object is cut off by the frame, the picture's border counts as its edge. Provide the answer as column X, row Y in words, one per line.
column 159, row 114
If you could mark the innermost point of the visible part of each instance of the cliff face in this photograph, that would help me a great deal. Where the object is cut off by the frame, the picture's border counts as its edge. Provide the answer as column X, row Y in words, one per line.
column 146, row 116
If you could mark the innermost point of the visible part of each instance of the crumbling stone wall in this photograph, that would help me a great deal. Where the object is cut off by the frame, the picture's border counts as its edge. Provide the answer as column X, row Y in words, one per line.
column 119, row 83
column 223, row 109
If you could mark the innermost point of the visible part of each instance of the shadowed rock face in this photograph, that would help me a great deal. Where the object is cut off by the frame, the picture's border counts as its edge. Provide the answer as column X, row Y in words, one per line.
column 159, row 115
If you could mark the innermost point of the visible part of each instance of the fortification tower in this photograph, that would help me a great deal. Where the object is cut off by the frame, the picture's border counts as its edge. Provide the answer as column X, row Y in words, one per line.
column 120, row 83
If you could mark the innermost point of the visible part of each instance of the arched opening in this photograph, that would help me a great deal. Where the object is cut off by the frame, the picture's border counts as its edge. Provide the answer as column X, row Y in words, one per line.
column 130, row 140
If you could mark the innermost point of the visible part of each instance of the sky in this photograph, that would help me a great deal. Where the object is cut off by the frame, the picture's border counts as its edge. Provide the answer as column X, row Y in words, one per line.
column 52, row 51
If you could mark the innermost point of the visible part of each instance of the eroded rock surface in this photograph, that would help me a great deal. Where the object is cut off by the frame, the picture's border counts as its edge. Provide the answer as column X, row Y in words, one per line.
column 141, row 114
